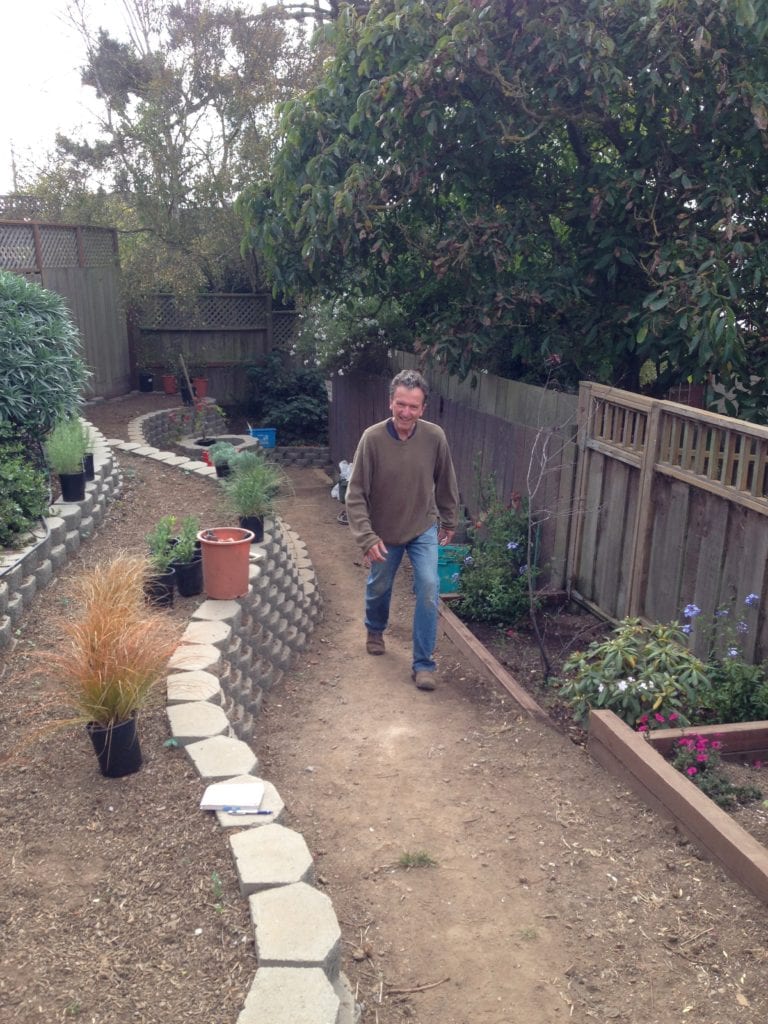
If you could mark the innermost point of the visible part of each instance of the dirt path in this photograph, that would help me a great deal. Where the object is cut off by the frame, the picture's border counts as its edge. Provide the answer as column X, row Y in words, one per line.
column 555, row 895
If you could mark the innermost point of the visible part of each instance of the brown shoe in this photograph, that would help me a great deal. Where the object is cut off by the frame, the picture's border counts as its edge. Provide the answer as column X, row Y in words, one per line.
column 375, row 643
column 424, row 680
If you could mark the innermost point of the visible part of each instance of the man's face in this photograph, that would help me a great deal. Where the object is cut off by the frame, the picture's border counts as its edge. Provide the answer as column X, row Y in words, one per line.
column 406, row 406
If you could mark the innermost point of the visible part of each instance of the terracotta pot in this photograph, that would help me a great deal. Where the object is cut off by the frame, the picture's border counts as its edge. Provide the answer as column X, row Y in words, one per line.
column 226, row 560
column 200, row 386
column 170, row 384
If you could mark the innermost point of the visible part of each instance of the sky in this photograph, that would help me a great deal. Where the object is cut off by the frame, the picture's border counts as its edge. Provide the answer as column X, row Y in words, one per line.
column 39, row 77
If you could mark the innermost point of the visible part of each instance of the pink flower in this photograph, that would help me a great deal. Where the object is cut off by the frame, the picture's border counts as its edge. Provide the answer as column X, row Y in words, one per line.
column 716, row 745
column 702, row 758
column 659, row 718
column 643, row 718
column 642, row 728
column 691, row 771
column 673, row 716
column 757, row 764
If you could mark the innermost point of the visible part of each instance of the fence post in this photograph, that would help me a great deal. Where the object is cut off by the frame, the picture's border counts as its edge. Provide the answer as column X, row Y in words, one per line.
column 644, row 518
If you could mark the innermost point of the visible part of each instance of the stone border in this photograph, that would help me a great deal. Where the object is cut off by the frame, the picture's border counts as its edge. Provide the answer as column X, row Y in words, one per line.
column 25, row 571
column 230, row 654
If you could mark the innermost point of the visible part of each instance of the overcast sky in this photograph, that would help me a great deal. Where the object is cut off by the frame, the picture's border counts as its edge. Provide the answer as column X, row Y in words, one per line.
column 39, row 76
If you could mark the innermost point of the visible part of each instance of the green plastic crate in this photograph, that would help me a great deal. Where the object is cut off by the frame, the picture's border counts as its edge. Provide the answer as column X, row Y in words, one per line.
column 450, row 561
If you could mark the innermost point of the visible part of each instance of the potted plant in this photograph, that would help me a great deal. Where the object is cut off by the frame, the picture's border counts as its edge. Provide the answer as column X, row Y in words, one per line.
column 88, row 463
column 221, row 454
column 162, row 577
column 65, row 448
column 186, row 558
column 251, row 489
column 114, row 653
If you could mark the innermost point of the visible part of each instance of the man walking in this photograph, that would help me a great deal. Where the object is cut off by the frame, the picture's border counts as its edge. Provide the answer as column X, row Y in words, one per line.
column 402, row 497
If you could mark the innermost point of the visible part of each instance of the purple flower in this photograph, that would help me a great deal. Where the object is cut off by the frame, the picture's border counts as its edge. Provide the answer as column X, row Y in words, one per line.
column 742, row 627
column 523, row 570
column 751, row 600
column 733, row 652
column 469, row 560
column 513, row 545
column 691, row 611
column 686, row 629
column 721, row 613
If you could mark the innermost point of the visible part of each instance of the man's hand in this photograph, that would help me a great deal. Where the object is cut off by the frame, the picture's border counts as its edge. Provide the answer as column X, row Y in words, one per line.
column 444, row 536
column 377, row 553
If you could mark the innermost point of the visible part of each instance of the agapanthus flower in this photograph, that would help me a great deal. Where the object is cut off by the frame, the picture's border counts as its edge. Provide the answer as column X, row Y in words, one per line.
column 691, row 611
column 513, row 545
column 686, row 629
column 469, row 560
column 751, row 600
column 733, row 652
column 742, row 626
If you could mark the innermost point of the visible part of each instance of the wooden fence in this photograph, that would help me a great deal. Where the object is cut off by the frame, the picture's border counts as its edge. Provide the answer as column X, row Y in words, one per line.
column 80, row 264
column 524, row 436
column 218, row 333
column 672, row 511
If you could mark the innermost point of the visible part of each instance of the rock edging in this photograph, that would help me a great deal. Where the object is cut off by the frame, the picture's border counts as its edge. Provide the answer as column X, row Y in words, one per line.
column 230, row 654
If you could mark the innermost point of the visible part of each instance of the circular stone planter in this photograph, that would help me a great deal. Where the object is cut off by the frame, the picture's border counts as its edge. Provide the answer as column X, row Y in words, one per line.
column 193, row 447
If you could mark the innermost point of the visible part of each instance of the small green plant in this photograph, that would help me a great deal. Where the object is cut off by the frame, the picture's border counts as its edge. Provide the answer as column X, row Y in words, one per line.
column 638, row 671
column 419, row 859
column 222, row 453
column 23, row 490
column 494, row 584
column 218, row 890
column 528, row 934
column 161, row 544
column 699, row 759
column 185, row 548
column 66, row 446
column 253, row 485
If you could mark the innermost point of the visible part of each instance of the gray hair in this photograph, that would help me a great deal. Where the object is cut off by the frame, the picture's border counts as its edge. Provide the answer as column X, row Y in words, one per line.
column 409, row 379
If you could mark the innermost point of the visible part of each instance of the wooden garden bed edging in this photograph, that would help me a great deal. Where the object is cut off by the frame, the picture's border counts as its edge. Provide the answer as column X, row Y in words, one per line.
column 631, row 758
column 485, row 663
column 741, row 740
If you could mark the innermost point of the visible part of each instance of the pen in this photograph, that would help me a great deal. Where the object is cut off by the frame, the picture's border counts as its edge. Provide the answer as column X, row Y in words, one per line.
column 243, row 810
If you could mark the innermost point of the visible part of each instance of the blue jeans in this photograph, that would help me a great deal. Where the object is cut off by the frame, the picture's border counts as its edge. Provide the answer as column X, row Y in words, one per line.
column 422, row 551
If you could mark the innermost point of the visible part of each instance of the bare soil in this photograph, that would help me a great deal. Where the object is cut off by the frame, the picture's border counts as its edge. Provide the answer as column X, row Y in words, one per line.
column 553, row 893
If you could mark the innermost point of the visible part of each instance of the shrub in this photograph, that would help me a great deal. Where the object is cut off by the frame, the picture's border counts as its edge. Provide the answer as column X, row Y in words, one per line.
column 41, row 364
column 494, row 583
column 295, row 401
column 23, row 489
column 638, row 671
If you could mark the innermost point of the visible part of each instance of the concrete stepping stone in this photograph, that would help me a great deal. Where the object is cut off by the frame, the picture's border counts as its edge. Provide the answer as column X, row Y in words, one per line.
column 222, row 757
column 291, row 995
column 270, row 856
column 196, row 657
column 198, row 721
column 271, row 801
column 295, row 926
column 185, row 687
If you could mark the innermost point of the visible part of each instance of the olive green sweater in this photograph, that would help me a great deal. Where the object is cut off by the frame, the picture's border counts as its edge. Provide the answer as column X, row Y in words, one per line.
column 398, row 489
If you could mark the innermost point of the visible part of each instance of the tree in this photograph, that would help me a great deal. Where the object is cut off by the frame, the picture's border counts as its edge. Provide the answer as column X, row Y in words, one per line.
column 186, row 106
column 574, row 186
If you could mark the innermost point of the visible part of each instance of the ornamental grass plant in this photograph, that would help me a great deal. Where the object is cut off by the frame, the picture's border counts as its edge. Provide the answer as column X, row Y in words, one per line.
column 66, row 445
column 254, row 485
column 114, row 650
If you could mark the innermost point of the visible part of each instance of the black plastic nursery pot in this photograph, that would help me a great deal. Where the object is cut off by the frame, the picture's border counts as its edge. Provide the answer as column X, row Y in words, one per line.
column 72, row 486
column 117, row 748
column 189, row 577
column 159, row 587
column 256, row 525
column 88, row 466
column 146, row 381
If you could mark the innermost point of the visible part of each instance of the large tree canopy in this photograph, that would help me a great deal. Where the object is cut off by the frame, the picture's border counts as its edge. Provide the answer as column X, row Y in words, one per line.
column 185, row 114
column 577, row 185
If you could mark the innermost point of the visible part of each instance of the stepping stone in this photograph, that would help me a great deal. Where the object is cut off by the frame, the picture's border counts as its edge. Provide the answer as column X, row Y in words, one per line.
column 222, row 757
column 295, row 926
column 270, row 856
column 291, row 995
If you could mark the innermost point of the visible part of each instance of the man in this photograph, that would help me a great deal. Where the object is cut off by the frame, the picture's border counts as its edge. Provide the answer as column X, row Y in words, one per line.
column 402, row 497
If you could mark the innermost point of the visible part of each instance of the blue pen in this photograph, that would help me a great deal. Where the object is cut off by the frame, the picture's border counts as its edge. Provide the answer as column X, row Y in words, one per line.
column 242, row 810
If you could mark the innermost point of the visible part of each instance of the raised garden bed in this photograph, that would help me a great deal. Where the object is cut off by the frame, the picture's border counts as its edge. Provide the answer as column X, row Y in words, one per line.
column 640, row 763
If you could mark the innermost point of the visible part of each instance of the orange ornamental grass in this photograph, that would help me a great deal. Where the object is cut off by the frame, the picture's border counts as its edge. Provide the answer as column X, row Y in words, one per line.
column 115, row 648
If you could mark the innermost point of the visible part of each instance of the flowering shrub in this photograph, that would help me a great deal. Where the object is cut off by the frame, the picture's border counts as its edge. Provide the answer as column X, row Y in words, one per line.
column 644, row 674
column 698, row 758
column 738, row 689
column 494, row 582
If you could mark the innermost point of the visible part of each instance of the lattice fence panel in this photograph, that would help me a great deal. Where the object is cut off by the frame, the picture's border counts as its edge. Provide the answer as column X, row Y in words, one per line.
column 209, row 312
column 17, row 247
column 98, row 247
column 59, row 247
column 283, row 329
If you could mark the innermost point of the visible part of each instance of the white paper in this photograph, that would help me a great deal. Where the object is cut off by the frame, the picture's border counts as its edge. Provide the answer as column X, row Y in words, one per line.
column 242, row 795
